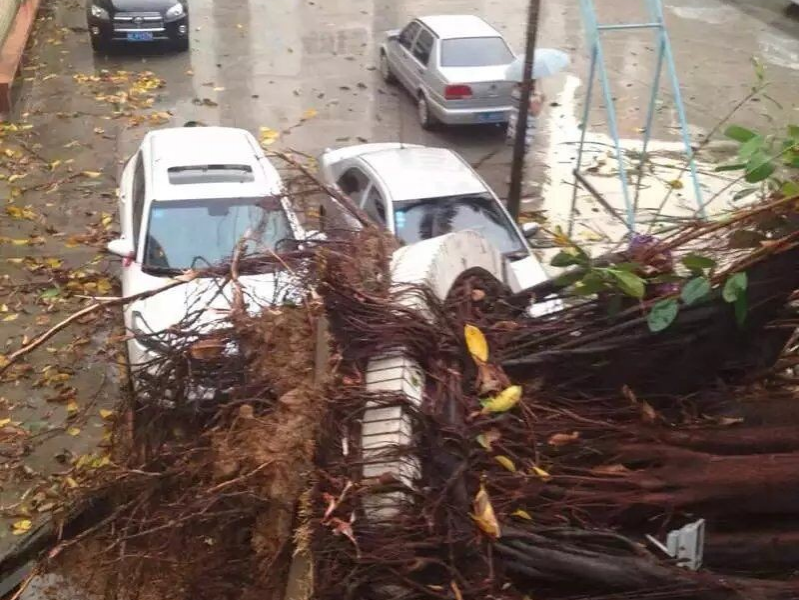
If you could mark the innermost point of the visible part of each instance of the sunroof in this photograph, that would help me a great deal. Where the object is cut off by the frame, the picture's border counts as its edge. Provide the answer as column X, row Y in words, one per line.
column 210, row 174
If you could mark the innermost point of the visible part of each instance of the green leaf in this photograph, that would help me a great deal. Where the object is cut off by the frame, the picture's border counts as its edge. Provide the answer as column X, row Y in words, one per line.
column 629, row 283
column 759, row 167
column 741, row 307
column 627, row 266
column 749, row 148
column 697, row 262
column 739, row 134
column 663, row 314
column 790, row 188
column 592, row 283
column 51, row 293
column 730, row 167
column 695, row 290
column 567, row 259
column 570, row 278
column 741, row 194
column 735, row 287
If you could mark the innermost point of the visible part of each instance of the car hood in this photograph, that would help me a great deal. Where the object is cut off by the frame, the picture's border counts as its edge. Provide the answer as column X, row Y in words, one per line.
column 169, row 307
column 136, row 5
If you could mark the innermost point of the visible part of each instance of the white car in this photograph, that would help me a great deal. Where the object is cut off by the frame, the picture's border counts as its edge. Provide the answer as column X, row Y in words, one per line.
column 186, row 199
column 454, row 68
column 419, row 193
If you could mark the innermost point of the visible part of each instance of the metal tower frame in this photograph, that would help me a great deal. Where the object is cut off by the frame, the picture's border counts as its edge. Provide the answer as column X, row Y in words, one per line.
column 594, row 31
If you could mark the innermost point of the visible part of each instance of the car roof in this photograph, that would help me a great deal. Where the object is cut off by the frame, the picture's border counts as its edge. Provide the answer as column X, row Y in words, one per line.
column 415, row 173
column 459, row 26
column 198, row 146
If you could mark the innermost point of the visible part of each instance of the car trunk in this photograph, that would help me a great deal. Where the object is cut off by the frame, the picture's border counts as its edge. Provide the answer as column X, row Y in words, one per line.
column 489, row 87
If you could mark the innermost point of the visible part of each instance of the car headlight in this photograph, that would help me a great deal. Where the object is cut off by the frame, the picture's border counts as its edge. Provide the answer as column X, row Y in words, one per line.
column 176, row 11
column 99, row 12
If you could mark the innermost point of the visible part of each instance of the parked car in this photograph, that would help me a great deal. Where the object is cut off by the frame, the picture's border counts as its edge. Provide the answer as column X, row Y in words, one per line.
column 419, row 193
column 454, row 68
column 186, row 199
column 136, row 21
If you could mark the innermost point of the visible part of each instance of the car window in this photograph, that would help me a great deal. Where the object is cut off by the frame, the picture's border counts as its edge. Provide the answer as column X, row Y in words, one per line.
column 354, row 183
column 408, row 34
column 475, row 52
column 375, row 206
column 415, row 221
column 192, row 234
column 423, row 46
column 139, row 196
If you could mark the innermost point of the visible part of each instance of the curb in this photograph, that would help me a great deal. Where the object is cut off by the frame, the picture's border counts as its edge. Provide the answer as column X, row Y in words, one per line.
column 13, row 49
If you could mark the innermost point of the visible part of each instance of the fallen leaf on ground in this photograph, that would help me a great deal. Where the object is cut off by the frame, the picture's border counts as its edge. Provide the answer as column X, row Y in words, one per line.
column 564, row 439
column 484, row 514
column 4, row 422
column 506, row 462
column 91, row 174
column 488, row 438
column 21, row 527
column 106, row 414
column 73, row 431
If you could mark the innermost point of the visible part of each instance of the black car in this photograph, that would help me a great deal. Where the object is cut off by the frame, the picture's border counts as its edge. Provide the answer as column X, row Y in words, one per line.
column 137, row 21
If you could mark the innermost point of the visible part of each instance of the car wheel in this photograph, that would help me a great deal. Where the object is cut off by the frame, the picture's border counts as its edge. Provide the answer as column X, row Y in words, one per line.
column 385, row 69
column 426, row 120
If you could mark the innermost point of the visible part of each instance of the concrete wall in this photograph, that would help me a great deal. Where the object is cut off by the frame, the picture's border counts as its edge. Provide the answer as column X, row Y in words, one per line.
column 435, row 264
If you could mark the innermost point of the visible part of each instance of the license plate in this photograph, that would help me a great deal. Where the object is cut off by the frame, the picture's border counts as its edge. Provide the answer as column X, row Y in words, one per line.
column 490, row 117
column 140, row 36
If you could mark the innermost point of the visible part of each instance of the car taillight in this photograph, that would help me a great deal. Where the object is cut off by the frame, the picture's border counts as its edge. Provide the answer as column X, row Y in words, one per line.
column 457, row 92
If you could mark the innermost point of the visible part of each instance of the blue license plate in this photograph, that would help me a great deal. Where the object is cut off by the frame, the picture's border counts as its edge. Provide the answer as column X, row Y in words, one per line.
column 140, row 36
column 490, row 117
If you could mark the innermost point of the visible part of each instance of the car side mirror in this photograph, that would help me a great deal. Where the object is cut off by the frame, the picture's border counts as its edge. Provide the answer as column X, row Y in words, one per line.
column 530, row 230
column 121, row 247
column 393, row 36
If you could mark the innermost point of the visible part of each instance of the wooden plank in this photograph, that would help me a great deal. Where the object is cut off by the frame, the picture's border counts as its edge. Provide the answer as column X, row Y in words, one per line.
column 13, row 49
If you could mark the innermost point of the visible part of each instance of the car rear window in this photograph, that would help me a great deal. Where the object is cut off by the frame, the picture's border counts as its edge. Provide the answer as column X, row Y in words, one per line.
column 210, row 174
column 475, row 52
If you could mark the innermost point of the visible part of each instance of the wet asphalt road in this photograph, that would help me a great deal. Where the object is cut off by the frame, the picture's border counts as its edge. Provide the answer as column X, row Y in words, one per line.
column 259, row 63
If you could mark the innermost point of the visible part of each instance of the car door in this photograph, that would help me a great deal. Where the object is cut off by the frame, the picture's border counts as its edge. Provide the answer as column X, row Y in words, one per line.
column 403, row 59
column 131, row 268
column 421, row 54
column 375, row 205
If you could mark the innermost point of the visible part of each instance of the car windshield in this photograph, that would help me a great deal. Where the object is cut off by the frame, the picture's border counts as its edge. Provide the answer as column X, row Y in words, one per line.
column 421, row 220
column 475, row 52
column 192, row 234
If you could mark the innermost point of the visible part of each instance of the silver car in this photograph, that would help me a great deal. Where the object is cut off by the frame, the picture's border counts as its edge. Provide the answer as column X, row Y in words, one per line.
column 419, row 193
column 453, row 66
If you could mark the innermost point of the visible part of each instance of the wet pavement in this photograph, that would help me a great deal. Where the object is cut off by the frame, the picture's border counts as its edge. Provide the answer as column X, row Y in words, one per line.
column 307, row 69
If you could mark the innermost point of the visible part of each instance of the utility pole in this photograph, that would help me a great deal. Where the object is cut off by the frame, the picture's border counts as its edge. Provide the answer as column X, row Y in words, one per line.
column 528, row 88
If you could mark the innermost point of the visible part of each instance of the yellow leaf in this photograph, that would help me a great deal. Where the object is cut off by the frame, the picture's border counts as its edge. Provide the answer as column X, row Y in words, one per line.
column 484, row 514
column 91, row 174
column 506, row 462
column 71, row 482
column 268, row 136
column 3, row 361
column 522, row 514
column 504, row 401
column 106, row 414
column 54, row 165
column 74, row 431
column 12, row 317
column 53, row 263
column 676, row 184
column 4, row 422
column 309, row 114
column 538, row 471
column 72, row 407
column 21, row 527
column 488, row 438
column 560, row 238
column 476, row 342
column 16, row 261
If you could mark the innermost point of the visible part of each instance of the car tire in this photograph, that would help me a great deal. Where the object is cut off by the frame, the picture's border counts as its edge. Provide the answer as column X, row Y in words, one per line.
column 181, row 45
column 385, row 69
column 426, row 119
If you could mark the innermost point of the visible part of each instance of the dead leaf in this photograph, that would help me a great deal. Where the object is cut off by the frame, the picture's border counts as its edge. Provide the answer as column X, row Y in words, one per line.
column 476, row 343
column 484, row 514
column 268, row 136
column 488, row 438
column 648, row 413
column 91, row 174
column 676, row 184
column 73, row 431
column 456, row 590
column 616, row 469
column 72, row 408
column 309, row 114
column 11, row 317
column 21, row 527
column 106, row 414
column 522, row 514
column 540, row 473
column 728, row 421
column 4, row 422
column 504, row 401
column 564, row 439
column 506, row 462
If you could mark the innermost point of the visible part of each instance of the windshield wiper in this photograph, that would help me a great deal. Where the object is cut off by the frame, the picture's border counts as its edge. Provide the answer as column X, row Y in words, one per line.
column 516, row 254
column 161, row 270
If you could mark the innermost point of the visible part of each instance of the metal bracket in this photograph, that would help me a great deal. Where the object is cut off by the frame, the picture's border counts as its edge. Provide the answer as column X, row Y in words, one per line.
column 687, row 545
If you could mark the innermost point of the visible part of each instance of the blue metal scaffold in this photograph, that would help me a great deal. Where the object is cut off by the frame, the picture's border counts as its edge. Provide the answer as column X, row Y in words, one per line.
column 594, row 31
